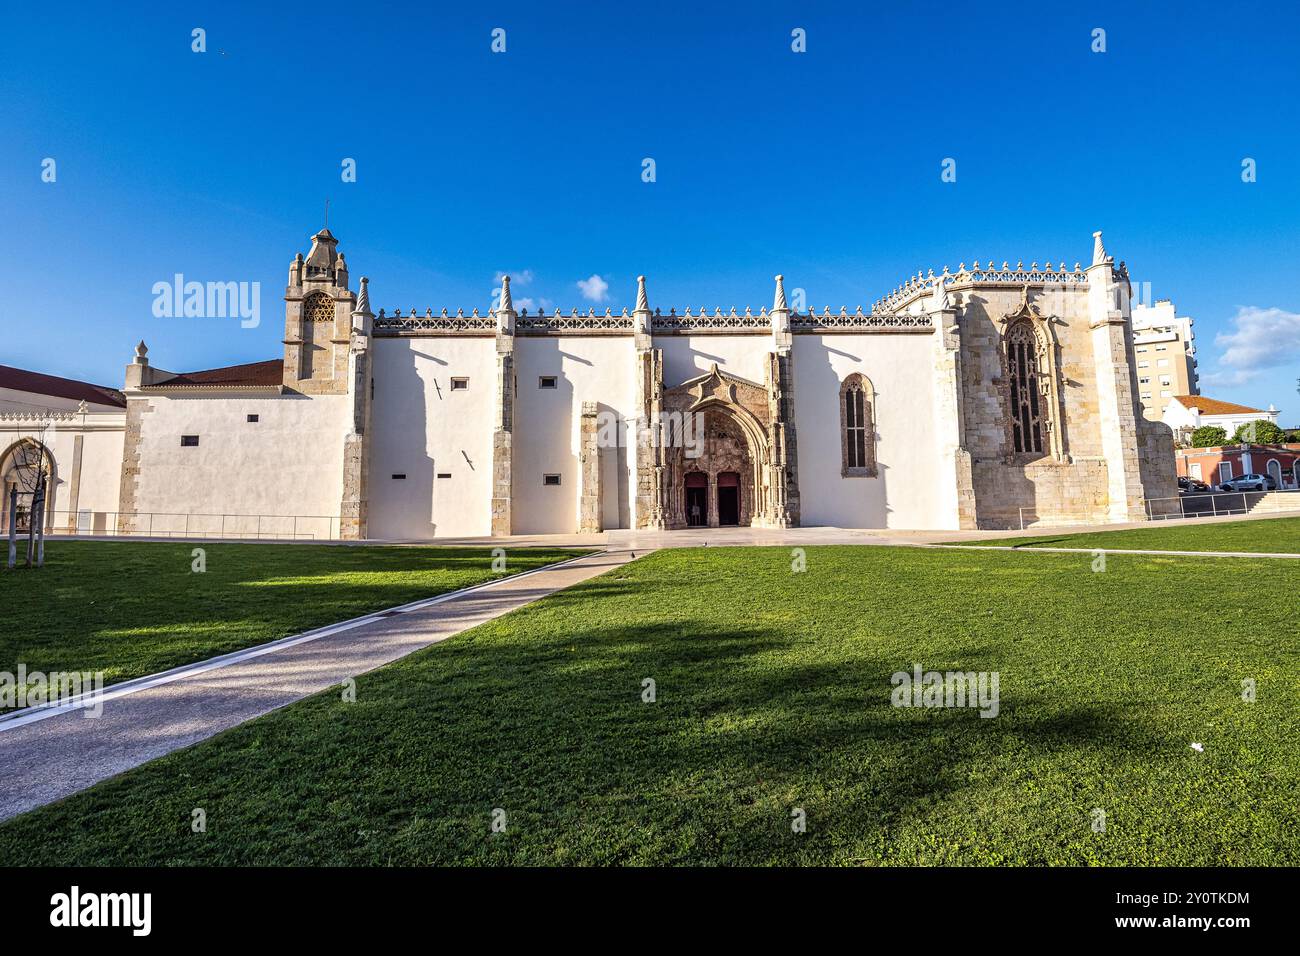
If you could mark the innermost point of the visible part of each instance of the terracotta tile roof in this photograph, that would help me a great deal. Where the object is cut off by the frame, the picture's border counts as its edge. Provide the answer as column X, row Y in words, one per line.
column 24, row 381
column 232, row 376
column 1212, row 406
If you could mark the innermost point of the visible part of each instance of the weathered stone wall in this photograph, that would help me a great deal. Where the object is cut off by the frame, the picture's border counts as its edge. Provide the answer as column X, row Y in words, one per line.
column 129, row 490
column 589, row 515
column 1072, row 488
column 1159, row 468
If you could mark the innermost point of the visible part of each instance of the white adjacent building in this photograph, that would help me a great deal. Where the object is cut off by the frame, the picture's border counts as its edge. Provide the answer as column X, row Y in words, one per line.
column 71, row 430
column 1186, row 413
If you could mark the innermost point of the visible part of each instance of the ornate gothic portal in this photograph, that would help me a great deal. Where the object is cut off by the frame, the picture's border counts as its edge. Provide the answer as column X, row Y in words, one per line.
column 717, row 463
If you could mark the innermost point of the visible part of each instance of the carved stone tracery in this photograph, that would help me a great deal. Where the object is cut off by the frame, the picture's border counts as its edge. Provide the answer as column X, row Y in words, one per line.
column 1031, row 384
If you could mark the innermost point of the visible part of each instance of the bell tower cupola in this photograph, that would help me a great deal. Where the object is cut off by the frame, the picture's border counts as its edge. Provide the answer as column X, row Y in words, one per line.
column 318, row 309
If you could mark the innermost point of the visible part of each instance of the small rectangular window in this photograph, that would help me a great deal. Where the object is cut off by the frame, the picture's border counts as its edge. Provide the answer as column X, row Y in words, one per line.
column 459, row 384
column 252, row 418
column 189, row 441
column 550, row 479
column 547, row 381
column 399, row 477
column 444, row 474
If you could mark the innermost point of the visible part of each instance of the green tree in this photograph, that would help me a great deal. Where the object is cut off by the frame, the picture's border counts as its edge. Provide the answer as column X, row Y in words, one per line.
column 1260, row 432
column 1209, row 436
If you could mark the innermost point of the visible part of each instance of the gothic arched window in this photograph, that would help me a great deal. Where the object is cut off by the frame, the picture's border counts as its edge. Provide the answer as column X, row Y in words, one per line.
column 1026, row 393
column 857, row 428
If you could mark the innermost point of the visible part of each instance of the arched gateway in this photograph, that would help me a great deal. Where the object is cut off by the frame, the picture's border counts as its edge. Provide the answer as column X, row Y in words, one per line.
column 717, row 461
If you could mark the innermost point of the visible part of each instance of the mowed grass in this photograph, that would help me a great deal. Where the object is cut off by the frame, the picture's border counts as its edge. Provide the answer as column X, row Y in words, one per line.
column 135, row 608
column 1260, row 536
column 772, row 697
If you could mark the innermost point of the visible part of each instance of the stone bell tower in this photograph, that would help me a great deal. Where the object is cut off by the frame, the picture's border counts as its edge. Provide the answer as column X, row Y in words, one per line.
column 318, row 309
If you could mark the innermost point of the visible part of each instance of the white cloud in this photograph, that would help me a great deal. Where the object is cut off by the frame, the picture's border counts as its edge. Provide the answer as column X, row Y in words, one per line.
column 1259, row 339
column 518, row 278
column 1221, row 379
column 596, row 289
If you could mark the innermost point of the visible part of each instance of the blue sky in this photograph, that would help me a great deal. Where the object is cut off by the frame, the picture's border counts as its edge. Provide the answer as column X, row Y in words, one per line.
column 824, row 165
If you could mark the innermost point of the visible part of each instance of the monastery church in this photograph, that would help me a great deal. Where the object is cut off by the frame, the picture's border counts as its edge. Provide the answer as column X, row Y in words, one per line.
column 978, row 398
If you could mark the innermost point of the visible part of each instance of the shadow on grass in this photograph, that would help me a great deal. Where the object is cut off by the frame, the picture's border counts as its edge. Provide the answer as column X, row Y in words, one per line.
column 543, row 714
column 131, row 609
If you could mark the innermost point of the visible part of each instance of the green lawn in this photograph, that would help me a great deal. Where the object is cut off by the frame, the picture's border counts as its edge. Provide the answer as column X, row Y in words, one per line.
column 773, row 693
column 136, row 608
column 1263, row 535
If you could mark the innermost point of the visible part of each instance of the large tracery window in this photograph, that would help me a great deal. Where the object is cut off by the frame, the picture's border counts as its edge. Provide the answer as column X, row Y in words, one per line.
column 1026, row 392
column 857, row 428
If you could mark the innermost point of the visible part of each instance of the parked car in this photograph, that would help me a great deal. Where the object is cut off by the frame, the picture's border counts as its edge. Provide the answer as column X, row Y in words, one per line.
column 1192, row 486
column 1250, row 482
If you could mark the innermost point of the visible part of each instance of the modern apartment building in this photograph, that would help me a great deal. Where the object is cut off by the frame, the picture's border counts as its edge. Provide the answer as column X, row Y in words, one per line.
column 1164, row 346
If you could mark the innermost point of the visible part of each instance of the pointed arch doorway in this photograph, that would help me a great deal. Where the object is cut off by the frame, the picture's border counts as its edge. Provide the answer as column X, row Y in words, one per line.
column 728, row 498
column 697, row 499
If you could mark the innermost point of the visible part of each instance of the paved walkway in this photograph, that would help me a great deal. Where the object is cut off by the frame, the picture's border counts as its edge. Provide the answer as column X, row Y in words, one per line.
column 700, row 537
column 48, row 754
column 1039, row 549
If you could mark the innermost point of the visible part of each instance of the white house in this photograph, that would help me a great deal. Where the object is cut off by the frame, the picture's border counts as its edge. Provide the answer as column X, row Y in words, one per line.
column 74, row 432
column 1189, row 412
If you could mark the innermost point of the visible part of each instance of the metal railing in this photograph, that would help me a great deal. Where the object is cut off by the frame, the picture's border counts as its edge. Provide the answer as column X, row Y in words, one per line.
column 1212, row 504
column 1208, row 505
column 155, row 524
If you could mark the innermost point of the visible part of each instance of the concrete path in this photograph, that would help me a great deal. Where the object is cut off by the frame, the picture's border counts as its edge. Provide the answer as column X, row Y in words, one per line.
column 698, row 537
column 1039, row 549
column 47, row 754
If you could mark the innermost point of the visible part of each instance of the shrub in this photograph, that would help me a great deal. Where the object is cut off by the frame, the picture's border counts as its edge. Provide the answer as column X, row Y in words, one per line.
column 1260, row 432
column 1209, row 436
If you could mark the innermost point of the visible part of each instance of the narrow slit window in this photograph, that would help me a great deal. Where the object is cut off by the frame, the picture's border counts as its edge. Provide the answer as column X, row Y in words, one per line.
column 460, row 384
column 547, row 381
column 551, row 480
column 189, row 441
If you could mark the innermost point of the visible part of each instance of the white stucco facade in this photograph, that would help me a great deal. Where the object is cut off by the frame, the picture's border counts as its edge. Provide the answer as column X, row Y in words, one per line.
column 282, row 468
column 967, row 399
column 441, row 431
